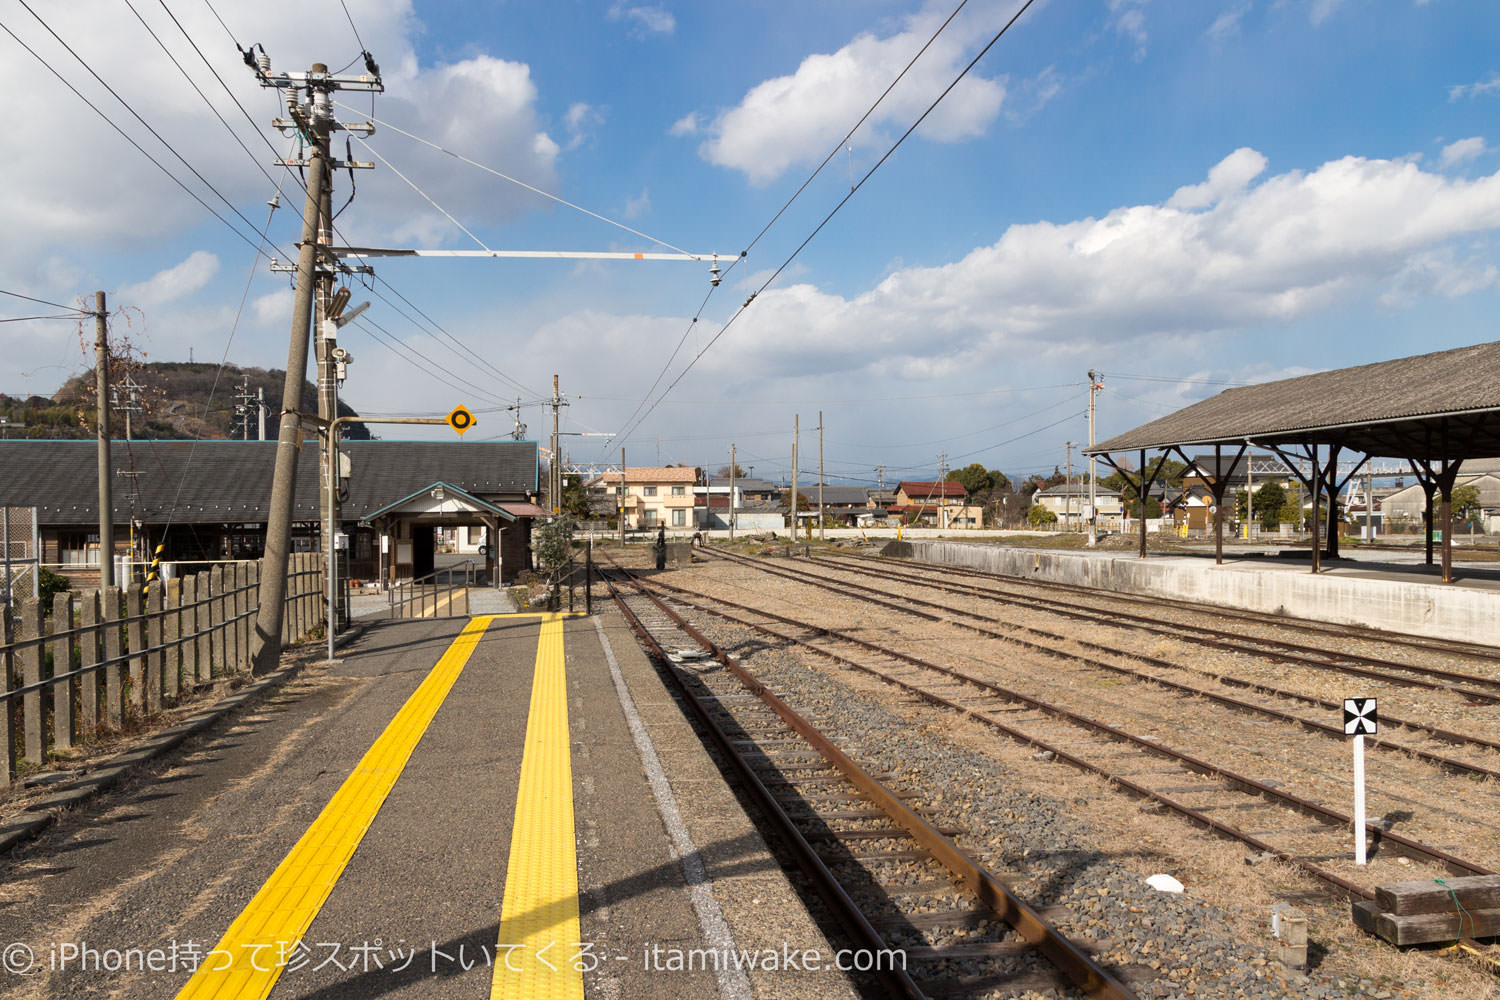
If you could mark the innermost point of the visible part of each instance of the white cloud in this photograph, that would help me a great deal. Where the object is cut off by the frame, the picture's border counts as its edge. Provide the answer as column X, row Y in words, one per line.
column 1233, row 256
column 581, row 120
column 637, row 207
column 795, row 119
column 1228, row 23
column 1481, row 88
column 58, row 197
column 272, row 308
column 1322, row 10
column 1229, row 176
column 649, row 20
column 1463, row 151
column 174, row 283
column 1129, row 20
column 686, row 125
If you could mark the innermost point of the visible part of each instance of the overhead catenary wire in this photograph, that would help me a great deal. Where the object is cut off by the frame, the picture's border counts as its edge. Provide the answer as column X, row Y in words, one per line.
column 834, row 211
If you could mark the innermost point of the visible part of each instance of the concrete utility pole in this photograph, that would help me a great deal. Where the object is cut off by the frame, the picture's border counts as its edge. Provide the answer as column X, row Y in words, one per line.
column 1094, row 387
column 942, row 502
column 821, row 536
column 880, row 478
column 260, row 409
column 555, row 478
column 623, row 493
column 106, row 468
column 312, row 117
column 1068, row 485
column 796, row 435
column 733, row 469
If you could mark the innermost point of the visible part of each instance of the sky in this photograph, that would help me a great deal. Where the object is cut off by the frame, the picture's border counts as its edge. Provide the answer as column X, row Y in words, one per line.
column 1179, row 196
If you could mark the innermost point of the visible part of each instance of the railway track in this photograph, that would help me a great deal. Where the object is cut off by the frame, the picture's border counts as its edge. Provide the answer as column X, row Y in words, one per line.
column 1215, row 797
column 1083, row 651
column 1162, row 612
column 895, row 881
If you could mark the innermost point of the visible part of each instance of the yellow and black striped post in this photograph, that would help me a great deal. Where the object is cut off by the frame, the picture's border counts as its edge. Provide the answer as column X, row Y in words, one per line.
column 153, row 569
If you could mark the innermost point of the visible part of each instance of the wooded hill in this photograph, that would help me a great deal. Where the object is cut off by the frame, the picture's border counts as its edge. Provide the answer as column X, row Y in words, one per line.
column 177, row 400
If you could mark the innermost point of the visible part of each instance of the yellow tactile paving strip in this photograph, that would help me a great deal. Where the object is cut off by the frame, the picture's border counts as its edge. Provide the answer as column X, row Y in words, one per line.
column 539, row 936
column 246, row 963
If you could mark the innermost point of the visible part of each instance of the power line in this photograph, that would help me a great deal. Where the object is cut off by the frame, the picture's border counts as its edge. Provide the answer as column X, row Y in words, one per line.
column 126, row 136
column 767, row 227
column 842, row 202
column 520, row 183
column 55, row 305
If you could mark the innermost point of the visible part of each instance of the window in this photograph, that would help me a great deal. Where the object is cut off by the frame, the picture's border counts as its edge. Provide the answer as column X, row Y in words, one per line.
column 678, row 491
column 476, row 535
column 679, row 517
column 649, row 491
column 649, row 518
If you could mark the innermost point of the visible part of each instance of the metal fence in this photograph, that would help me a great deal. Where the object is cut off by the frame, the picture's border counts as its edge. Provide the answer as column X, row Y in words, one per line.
column 443, row 593
column 104, row 660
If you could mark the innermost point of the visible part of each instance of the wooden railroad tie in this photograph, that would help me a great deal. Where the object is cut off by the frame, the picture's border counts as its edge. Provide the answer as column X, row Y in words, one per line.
column 1433, row 910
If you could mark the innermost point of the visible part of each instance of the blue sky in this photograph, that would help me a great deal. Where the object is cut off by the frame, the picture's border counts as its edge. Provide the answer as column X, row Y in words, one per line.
column 1179, row 195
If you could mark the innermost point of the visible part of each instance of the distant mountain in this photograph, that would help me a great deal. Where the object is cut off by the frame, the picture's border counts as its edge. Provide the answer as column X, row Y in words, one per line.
column 177, row 401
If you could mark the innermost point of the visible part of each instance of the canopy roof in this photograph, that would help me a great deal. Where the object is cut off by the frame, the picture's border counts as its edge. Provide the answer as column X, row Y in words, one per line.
column 1443, row 406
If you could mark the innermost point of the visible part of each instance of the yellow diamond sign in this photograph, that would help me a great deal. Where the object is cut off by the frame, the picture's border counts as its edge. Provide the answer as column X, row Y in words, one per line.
column 461, row 419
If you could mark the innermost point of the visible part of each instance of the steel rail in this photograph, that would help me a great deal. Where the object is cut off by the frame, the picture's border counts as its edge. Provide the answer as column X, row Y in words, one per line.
column 896, row 981
column 1076, row 966
column 1297, row 653
column 1330, row 817
column 1451, row 764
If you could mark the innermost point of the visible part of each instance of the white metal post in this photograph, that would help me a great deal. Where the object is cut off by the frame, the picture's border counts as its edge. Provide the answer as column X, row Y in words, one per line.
column 1359, row 799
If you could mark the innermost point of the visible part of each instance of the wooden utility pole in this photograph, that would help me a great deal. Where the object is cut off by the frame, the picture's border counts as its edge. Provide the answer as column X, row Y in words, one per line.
column 106, row 468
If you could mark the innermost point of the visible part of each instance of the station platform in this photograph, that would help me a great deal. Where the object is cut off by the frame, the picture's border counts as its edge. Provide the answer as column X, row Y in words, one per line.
column 510, row 805
column 1388, row 590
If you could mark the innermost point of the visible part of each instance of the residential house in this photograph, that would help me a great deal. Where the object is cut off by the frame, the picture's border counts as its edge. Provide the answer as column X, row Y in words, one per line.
column 1070, row 502
column 652, row 496
column 940, row 505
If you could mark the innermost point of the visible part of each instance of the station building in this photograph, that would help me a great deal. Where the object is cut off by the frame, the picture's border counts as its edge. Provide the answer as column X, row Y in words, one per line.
column 207, row 501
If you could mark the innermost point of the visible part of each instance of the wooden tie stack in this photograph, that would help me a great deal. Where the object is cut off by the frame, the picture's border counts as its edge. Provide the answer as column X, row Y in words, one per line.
column 1433, row 910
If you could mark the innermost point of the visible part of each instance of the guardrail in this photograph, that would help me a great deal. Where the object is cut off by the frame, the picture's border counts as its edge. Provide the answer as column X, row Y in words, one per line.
column 104, row 660
column 428, row 597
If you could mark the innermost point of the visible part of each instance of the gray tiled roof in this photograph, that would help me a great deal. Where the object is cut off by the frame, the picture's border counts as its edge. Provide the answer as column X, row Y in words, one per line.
column 216, row 482
column 1383, row 409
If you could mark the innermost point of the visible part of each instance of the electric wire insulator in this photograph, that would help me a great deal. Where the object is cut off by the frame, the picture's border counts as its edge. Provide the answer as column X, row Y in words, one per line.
column 264, row 62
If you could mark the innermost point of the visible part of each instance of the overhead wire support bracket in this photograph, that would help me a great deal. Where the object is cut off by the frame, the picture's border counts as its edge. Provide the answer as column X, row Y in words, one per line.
column 332, row 81
column 287, row 161
column 361, row 128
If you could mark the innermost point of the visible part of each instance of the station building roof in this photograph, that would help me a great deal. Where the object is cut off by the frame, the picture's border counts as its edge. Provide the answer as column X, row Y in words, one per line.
column 1443, row 406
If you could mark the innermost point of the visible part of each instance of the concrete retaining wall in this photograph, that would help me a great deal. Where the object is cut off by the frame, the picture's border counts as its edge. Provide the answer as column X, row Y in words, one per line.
column 1415, row 607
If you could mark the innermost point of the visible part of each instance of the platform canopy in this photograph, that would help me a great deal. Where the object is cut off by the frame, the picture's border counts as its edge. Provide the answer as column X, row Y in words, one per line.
column 1432, row 408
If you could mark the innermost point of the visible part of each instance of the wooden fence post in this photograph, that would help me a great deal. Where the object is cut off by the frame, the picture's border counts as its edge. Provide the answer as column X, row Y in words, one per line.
column 9, row 709
column 135, row 637
column 62, row 665
column 33, row 736
column 88, row 655
column 153, row 643
column 188, row 615
column 242, row 602
column 114, row 690
column 201, row 582
column 171, row 681
column 216, row 619
column 232, row 581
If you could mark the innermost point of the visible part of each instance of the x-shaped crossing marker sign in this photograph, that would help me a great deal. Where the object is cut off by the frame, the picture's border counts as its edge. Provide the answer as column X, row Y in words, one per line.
column 1360, row 718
